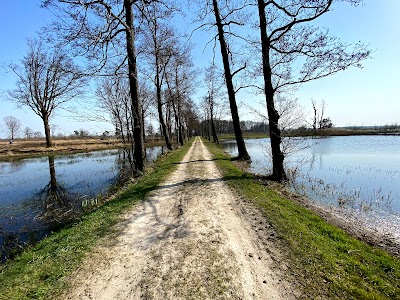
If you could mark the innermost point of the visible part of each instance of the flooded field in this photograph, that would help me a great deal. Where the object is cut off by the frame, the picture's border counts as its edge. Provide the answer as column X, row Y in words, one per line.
column 38, row 195
column 356, row 175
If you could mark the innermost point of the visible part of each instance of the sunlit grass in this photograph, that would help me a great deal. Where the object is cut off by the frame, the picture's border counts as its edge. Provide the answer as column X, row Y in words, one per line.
column 324, row 260
column 39, row 271
column 246, row 135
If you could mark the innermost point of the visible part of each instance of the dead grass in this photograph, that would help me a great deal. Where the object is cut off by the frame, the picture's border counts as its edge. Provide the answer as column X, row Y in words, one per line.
column 28, row 148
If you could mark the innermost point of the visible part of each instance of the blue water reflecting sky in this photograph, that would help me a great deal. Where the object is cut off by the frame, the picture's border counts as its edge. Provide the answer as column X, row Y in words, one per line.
column 25, row 182
column 365, row 170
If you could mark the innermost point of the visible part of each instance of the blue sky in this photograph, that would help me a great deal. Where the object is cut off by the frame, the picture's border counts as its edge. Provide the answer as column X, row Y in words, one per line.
column 19, row 20
column 370, row 96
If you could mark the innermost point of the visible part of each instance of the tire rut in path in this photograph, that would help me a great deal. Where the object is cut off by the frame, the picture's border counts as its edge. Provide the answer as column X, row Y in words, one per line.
column 188, row 240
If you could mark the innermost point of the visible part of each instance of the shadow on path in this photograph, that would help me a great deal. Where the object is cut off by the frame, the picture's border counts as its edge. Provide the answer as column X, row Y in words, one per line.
column 190, row 181
column 199, row 160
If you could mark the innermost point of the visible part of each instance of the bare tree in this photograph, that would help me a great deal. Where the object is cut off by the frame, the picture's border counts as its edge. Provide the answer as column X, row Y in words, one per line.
column 318, row 114
column 168, row 66
column 46, row 80
column 146, row 94
column 104, row 31
column 206, row 119
column 190, row 117
column 12, row 126
column 214, row 95
column 221, row 23
column 28, row 132
column 114, row 98
column 180, row 77
column 315, row 115
column 294, row 52
column 157, row 36
column 37, row 134
column 137, row 110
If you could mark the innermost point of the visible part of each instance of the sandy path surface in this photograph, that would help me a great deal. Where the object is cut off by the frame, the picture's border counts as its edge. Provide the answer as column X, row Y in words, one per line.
column 189, row 240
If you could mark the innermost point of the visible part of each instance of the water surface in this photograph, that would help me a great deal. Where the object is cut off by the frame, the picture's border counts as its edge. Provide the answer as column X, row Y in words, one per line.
column 38, row 195
column 357, row 174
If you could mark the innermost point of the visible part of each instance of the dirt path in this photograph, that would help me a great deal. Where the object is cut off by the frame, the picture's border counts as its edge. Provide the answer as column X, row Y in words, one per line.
column 189, row 240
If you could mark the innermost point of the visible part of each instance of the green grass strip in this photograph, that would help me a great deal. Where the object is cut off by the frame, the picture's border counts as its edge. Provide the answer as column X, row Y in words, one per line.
column 38, row 272
column 246, row 135
column 323, row 259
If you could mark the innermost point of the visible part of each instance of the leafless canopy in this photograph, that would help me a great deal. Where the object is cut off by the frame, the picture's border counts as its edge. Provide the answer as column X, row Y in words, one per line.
column 113, row 96
column 94, row 30
column 301, row 52
column 12, row 126
column 47, row 78
column 103, row 31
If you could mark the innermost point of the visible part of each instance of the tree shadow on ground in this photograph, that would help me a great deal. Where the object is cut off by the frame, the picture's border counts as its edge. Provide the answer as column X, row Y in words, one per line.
column 199, row 160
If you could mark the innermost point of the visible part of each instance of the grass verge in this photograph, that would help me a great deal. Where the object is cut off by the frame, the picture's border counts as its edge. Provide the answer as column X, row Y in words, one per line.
column 38, row 272
column 323, row 259
column 246, row 135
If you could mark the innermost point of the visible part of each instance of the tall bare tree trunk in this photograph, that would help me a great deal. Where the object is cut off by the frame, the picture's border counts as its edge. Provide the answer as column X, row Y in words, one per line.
column 179, row 138
column 229, row 84
column 213, row 129
column 314, row 124
column 278, row 172
column 182, row 136
column 165, row 132
column 143, row 131
column 47, row 133
column 134, row 90
column 176, row 106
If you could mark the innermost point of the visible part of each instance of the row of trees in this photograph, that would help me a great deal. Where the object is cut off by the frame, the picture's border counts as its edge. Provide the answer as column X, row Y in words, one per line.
column 291, row 52
column 107, row 38
column 144, row 63
column 214, row 127
column 13, row 127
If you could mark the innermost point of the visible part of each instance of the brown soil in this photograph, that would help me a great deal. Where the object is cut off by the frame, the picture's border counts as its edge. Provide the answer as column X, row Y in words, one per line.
column 192, row 238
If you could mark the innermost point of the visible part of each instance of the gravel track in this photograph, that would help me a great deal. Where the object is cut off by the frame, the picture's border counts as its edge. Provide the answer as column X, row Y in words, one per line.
column 192, row 238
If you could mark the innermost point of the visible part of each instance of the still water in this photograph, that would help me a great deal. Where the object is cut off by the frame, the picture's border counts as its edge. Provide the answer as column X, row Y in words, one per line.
column 38, row 195
column 358, row 175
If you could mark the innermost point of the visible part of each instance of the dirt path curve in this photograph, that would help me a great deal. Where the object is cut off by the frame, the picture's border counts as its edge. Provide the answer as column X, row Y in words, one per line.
column 189, row 240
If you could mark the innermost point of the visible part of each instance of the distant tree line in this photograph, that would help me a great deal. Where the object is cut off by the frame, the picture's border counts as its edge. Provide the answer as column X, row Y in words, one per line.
column 13, row 129
column 227, row 127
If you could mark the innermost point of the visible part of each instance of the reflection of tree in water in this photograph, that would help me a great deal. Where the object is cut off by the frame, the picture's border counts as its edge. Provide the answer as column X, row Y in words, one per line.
column 52, row 206
column 49, row 208
column 58, row 204
column 15, row 165
column 123, row 161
